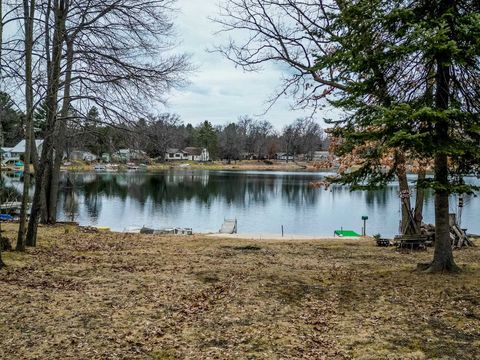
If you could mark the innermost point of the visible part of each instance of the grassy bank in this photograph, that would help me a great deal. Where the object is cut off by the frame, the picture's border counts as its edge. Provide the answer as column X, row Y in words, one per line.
column 86, row 295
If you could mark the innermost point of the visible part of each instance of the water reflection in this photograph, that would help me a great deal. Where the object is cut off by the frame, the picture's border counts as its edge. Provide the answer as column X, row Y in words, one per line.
column 261, row 201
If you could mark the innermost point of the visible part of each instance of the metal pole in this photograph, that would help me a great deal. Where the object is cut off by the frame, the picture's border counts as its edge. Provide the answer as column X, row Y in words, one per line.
column 282, row 230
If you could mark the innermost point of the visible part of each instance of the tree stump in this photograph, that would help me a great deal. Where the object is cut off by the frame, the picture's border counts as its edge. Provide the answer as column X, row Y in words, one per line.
column 5, row 244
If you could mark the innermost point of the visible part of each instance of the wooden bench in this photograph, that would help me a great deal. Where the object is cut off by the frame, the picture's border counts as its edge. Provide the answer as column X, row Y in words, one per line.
column 383, row 242
column 411, row 241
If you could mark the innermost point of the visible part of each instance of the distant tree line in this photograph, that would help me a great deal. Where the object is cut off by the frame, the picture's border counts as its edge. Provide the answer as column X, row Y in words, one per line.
column 155, row 134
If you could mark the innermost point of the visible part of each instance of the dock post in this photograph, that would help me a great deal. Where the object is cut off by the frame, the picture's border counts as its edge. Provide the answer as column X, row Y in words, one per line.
column 364, row 229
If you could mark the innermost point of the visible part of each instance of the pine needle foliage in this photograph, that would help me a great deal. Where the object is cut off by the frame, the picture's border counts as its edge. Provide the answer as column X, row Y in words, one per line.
column 389, row 53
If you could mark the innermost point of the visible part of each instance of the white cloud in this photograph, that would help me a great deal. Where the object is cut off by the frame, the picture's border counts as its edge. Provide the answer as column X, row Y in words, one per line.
column 219, row 92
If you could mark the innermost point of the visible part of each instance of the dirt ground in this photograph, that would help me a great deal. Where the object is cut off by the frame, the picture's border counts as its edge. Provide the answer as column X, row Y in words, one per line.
column 86, row 295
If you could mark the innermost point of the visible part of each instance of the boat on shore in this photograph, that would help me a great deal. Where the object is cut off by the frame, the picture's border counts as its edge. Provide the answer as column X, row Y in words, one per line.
column 165, row 231
column 105, row 168
column 132, row 166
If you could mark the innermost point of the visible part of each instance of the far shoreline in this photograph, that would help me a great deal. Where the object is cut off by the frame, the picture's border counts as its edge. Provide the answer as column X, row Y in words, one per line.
column 242, row 165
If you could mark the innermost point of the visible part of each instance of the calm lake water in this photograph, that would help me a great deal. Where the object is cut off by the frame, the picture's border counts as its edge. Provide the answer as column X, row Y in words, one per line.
column 261, row 202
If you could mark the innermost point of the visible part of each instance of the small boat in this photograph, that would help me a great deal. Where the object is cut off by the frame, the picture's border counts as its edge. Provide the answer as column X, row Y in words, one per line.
column 150, row 231
column 132, row 166
column 102, row 228
column 132, row 230
column 100, row 168
column 165, row 231
column 18, row 166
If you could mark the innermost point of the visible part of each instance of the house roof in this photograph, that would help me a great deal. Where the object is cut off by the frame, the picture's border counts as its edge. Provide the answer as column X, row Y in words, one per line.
column 20, row 147
column 172, row 151
column 193, row 151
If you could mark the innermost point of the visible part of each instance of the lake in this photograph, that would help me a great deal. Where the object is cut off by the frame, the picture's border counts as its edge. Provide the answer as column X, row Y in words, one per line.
column 261, row 201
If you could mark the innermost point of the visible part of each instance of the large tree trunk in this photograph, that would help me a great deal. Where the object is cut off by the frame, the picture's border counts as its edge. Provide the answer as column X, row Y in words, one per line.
column 45, row 192
column 60, row 141
column 41, row 178
column 443, row 254
column 29, row 9
column 404, row 193
column 420, row 198
column 55, row 176
column 2, row 264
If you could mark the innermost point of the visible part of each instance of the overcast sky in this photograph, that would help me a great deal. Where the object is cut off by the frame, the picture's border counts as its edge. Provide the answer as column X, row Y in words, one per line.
column 219, row 92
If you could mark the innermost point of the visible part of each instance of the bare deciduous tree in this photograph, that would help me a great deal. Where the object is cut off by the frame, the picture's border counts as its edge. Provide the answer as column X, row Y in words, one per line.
column 28, row 21
column 115, row 54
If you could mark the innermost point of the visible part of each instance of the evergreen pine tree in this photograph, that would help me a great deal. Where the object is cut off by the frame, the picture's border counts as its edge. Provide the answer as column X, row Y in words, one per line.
column 412, row 72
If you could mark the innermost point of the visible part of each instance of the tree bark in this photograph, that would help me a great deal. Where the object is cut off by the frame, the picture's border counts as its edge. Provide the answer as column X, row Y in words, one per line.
column 29, row 11
column 404, row 191
column 420, row 199
column 443, row 254
column 41, row 178
column 2, row 264
column 60, row 141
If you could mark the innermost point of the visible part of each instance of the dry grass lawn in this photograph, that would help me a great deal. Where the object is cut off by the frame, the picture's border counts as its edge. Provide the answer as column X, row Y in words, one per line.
column 86, row 295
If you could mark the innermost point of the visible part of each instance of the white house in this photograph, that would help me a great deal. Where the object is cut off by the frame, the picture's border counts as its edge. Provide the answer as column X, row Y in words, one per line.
column 19, row 149
column 284, row 156
column 125, row 155
column 196, row 154
column 173, row 154
column 189, row 153
column 6, row 153
column 82, row 155
column 321, row 155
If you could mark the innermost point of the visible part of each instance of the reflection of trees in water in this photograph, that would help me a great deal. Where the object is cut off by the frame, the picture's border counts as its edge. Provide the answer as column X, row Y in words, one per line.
column 164, row 191
column 68, row 195
column 255, row 189
column 381, row 197
column 297, row 191
column 11, row 187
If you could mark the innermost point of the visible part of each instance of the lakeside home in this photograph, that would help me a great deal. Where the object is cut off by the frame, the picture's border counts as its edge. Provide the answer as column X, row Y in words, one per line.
column 82, row 155
column 189, row 153
column 285, row 156
column 6, row 153
column 17, row 152
column 126, row 155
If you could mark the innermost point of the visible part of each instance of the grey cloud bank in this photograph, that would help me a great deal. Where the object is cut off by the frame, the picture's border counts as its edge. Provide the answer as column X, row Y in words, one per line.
column 218, row 91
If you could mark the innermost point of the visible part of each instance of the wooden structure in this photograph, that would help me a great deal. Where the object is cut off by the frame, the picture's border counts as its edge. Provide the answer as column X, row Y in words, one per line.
column 412, row 242
column 458, row 235
column 383, row 242
column 425, row 236
column 229, row 226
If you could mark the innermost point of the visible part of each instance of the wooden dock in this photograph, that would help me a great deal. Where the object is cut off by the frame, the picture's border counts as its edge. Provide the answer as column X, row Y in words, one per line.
column 229, row 226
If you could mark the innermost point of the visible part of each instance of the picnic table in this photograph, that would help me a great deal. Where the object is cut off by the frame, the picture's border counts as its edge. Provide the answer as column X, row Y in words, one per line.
column 411, row 241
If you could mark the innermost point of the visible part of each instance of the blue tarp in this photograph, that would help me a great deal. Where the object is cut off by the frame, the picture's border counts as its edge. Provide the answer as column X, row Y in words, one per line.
column 5, row 217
